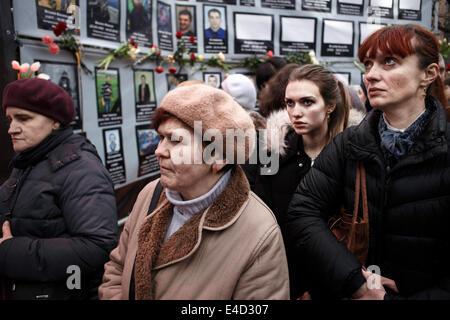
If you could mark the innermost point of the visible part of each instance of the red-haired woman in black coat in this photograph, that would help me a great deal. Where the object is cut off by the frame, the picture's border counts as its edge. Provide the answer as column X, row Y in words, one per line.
column 404, row 146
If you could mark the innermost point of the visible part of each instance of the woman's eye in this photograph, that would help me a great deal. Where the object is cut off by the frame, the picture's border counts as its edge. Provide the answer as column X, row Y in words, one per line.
column 176, row 139
column 289, row 103
column 308, row 102
column 22, row 118
column 390, row 61
column 367, row 64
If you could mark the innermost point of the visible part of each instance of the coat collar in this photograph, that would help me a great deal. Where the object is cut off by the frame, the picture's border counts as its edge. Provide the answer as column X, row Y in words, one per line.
column 152, row 254
column 364, row 140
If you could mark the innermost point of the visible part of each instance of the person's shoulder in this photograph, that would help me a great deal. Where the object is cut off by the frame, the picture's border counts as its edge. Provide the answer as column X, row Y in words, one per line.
column 257, row 217
column 145, row 196
column 149, row 187
column 257, row 212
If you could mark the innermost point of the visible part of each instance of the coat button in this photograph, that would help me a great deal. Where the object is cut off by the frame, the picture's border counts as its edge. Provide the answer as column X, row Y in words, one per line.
column 439, row 140
column 300, row 164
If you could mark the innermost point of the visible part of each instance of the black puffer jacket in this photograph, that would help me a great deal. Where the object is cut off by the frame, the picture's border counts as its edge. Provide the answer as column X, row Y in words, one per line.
column 409, row 213
column 65, row 214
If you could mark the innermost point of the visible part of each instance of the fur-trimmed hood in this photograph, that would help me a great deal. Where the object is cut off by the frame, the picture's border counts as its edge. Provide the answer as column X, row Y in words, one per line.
column 279, row 122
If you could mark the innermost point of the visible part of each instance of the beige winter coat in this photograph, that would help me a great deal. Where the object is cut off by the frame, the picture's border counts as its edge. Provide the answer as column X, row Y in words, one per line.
column 231, row 250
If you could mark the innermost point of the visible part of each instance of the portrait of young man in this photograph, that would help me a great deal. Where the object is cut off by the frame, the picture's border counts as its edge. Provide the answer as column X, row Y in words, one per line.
column 215, row 20
column 185, row 24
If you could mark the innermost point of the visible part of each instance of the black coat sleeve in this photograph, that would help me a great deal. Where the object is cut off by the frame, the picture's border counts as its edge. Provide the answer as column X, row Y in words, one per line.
column 332, row 271
column 88, row 206
column 441, row 291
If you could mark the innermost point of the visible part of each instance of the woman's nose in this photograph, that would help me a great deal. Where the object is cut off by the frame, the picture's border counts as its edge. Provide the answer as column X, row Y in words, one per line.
column 161, row 150
column 298, row 110
column 13, row 128
column 373, row 73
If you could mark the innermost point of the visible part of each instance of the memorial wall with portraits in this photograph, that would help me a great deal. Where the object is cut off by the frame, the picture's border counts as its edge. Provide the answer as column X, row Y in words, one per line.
column 115, row 105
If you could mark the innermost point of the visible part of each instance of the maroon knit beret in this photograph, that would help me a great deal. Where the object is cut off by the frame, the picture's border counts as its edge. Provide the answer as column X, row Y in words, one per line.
column 40, row 96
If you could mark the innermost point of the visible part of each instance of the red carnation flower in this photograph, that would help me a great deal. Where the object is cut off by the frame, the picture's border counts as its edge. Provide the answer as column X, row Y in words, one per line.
column 191, row 38
column 57, row 32
column 172, row 70
column 158, row 53
column 269, row 54
column 192, row 57
column 47, row 40
column 61, row 26
column 133, row 43
column 179, row 35
column 159, row 70
column 53, row 48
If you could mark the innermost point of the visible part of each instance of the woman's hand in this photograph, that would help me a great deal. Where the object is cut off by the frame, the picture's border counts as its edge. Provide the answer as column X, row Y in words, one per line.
column 373, row 288
column 6, row 229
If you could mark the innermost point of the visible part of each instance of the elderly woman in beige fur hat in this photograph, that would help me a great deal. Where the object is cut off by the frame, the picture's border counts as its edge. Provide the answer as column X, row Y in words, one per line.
column 209, row 236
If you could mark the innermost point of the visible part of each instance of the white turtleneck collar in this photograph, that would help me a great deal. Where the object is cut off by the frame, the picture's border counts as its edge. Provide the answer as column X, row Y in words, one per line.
column 184, row 210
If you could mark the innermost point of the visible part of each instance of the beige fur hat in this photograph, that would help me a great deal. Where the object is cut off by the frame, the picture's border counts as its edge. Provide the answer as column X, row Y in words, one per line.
column 216, row 110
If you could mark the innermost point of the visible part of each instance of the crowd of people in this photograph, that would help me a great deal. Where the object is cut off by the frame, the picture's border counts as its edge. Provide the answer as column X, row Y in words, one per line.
column 223, row 223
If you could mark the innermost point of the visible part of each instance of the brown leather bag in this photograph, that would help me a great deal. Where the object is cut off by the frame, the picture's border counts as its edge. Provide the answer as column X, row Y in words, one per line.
column 350, row 229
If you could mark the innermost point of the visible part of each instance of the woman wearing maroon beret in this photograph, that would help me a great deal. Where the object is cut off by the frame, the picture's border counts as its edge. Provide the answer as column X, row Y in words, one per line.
column 57, row 209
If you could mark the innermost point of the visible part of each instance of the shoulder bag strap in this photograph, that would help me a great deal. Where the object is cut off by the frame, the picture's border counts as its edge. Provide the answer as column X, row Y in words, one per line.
column 364, row 193
column 155, row 197
column 356, row 204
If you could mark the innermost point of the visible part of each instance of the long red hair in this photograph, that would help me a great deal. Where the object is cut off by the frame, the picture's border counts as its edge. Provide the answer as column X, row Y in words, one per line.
column 398, row 40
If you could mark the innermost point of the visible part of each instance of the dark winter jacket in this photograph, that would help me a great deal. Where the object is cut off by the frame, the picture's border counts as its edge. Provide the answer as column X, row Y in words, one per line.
column 409, row 212
column 65, row 214
column 276, row 190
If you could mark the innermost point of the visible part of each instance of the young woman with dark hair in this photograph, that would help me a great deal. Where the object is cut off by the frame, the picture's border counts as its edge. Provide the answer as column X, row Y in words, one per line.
column 315, row 109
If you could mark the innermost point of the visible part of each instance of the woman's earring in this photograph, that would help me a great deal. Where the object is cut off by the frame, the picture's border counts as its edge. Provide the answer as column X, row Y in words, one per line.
column 214, row 169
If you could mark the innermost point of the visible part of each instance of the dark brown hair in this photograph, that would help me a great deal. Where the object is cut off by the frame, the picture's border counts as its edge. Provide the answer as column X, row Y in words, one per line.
column 159, row 117
column 271, row 98
column 267, row 70
column 332, row 91
column 398, row 40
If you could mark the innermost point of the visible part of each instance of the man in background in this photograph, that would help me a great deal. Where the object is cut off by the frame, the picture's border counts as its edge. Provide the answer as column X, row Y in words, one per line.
column 212, row 81
column 184, row 22
column 214, row 31
column 144, row 91
column 138, row 20
column 106, row 94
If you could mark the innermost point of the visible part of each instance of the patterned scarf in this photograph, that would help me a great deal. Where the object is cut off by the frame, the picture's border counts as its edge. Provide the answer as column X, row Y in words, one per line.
column 395, row 144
